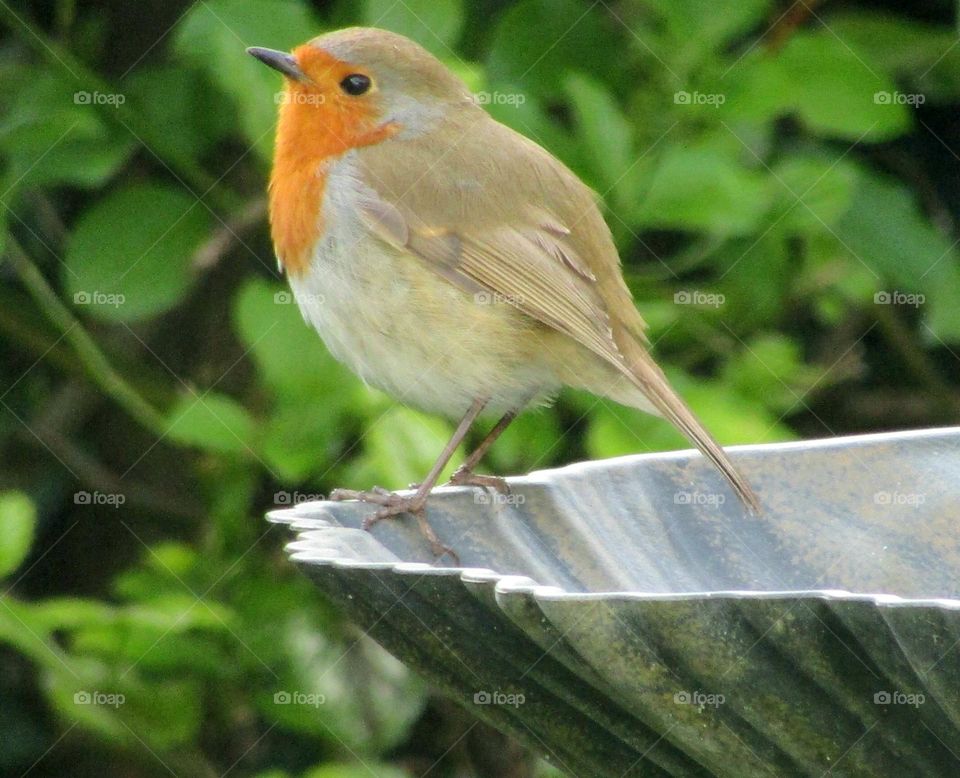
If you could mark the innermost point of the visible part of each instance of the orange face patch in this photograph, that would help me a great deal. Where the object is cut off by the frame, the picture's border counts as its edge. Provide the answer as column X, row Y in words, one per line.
column 318, row 122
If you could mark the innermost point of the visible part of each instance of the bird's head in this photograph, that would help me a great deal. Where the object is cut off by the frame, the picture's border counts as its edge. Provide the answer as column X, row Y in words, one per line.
column 359, row 86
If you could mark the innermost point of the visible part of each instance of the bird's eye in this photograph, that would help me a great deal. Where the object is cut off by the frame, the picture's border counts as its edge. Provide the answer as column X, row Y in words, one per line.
column 355, row 84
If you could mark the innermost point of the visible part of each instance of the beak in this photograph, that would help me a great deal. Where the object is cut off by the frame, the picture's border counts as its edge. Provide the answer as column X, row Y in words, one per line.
column 279, row 60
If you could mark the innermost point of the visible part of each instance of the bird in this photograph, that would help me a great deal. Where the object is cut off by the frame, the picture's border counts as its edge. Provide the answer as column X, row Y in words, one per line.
column 447, row 259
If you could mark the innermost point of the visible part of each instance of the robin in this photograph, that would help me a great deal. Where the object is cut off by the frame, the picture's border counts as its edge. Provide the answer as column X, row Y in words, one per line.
column 446, row 259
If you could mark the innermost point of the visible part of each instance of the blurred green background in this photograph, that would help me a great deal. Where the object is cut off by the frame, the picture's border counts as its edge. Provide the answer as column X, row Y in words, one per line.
column 781, row 179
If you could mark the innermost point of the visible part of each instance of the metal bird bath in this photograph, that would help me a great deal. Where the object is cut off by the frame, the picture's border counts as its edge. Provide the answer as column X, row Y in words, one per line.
column 627, row 617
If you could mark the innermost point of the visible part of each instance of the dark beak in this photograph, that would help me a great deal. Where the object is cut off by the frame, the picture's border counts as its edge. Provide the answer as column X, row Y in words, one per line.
column 279, row 60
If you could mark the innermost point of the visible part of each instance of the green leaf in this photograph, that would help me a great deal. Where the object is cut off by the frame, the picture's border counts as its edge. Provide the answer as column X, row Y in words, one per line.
column 302, row 436
column 161, row 715
column 18, row 519
column 923, row 57
column 823, row 186
column 288, row 352
column 837, row 283
column 694, row 30
column 536, row 42
column 617, row 430
column 214, row 35
column 546, row 770
column 604, row 132
column 400, row 447
column 58, row 135
column 213, row 422
column 531, row 440
column 177, row 559
column 943, row 315
column 129, row 255
column 83, row 692
column 163, row 564
column 356, row 771
column 824, row 83
column 434, row 24
column 885, row 230
column 168, row 711
column 167, row 98
column 313, row 391
column 770, row 370
column 172, row 633
column 68, row 613
column 754, row 275
column 703, row 188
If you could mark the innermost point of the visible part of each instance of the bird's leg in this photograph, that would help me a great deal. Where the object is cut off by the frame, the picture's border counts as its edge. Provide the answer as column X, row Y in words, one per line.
column 464, row 475
column 394, row 504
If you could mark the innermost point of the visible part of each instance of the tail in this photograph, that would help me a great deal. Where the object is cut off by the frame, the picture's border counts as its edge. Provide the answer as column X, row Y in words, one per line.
column 647, row 376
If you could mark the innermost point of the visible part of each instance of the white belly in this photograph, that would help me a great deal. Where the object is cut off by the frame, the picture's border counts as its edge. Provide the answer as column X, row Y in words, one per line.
column 407, row 331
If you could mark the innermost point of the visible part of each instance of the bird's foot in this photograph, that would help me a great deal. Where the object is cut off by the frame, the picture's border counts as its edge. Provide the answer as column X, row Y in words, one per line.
column 393, row 505
column 463, row 477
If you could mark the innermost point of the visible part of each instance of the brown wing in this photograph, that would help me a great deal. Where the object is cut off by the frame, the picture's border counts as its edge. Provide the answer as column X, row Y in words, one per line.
column 523, row 265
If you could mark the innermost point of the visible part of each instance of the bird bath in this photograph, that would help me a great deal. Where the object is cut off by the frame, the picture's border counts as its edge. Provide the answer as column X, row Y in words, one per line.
column 628, row 617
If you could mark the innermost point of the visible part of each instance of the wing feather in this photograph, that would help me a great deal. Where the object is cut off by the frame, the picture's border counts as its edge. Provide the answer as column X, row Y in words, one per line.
column 525, row 264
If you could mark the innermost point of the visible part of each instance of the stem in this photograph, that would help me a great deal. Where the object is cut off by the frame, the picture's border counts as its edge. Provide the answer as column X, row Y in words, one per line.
column 37, row 344
column 40, row 648
column 228, row 235
column 97, row 365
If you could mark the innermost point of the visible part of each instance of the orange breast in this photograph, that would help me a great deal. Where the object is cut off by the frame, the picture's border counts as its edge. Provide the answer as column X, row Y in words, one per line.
column 296, row 197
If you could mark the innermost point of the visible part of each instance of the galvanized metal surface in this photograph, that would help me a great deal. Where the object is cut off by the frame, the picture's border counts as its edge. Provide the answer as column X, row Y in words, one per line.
column 628, row 617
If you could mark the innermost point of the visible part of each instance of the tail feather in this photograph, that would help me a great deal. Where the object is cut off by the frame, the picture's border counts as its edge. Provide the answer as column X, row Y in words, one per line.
column 647, row 376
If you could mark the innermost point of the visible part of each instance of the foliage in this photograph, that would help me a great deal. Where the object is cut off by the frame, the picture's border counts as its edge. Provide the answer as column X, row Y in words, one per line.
column 780, row 184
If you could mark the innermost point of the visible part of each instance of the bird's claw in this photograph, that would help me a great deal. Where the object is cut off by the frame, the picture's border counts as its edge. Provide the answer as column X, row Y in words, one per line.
column 393, row 505
column 462, row 477
column 377, row 495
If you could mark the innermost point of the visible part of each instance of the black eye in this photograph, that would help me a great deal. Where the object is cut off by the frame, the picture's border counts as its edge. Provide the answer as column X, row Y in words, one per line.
column 355, row 84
